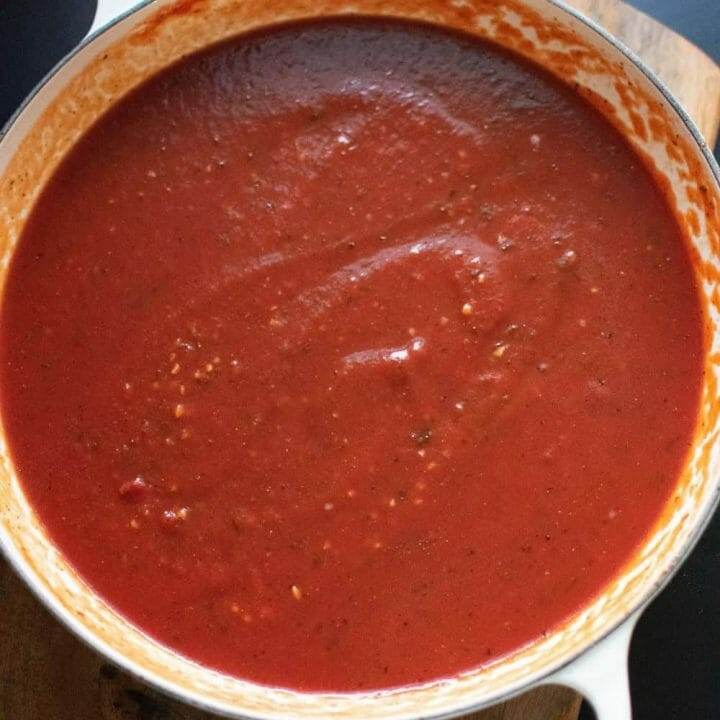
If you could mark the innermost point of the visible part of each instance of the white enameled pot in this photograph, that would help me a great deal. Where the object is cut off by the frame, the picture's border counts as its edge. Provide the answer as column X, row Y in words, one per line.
column 589, row 652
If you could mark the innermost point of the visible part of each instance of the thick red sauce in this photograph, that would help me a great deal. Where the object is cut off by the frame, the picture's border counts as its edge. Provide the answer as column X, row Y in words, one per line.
column 350, row 355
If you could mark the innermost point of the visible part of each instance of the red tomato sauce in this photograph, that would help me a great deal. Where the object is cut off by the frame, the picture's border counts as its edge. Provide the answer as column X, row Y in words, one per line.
column 349, row 355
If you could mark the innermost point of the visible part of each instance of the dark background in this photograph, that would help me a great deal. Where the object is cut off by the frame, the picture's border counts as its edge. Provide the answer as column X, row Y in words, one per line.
column 675, row 655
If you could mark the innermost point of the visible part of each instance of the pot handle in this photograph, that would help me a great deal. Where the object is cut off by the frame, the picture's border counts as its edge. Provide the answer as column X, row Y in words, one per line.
column 108, row 10
column 601, row 674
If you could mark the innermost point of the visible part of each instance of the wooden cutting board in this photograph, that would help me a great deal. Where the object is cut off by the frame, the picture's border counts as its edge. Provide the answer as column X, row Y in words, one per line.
column 46, row 674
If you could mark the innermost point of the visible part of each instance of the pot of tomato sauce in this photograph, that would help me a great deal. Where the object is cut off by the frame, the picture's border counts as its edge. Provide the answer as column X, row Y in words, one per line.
column 357, row 359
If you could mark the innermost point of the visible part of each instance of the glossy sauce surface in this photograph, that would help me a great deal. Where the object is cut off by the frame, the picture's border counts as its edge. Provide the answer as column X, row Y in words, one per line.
column 350, row 355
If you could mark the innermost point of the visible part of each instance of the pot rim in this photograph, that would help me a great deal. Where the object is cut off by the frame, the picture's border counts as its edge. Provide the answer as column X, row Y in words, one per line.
column 174, row 690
